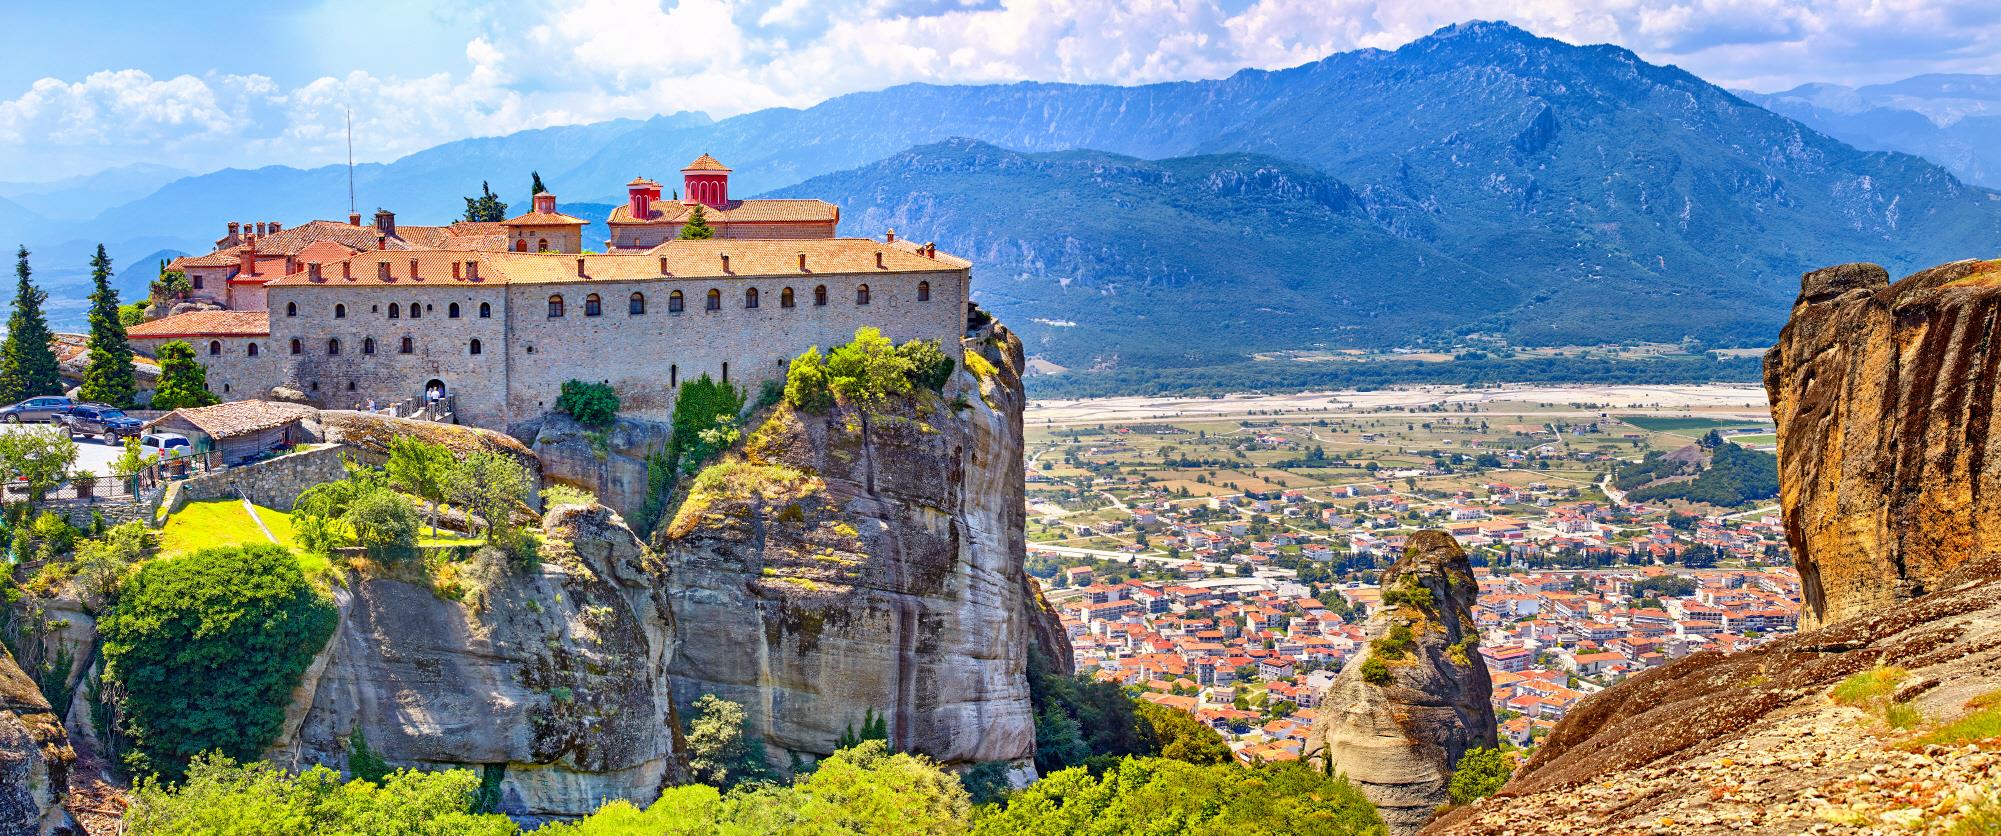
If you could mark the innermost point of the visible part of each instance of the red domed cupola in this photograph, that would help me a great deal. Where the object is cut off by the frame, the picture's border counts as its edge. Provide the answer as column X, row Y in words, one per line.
column 707, row 182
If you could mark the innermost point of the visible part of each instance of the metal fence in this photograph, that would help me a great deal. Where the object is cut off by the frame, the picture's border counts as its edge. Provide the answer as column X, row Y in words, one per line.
column 153, row 477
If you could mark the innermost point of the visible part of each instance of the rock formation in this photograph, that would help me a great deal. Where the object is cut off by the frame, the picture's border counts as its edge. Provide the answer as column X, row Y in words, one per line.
column 1884, row 396
column 35, row 758
column 610, row 463
column 1400, row 714
column 551, row 678
column 854, row 563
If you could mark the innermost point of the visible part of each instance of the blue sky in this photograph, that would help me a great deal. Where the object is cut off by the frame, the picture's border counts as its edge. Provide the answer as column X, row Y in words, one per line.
column 200, row 85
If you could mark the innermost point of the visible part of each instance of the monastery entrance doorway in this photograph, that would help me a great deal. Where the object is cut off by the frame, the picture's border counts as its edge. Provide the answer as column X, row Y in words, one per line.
column 435, row 391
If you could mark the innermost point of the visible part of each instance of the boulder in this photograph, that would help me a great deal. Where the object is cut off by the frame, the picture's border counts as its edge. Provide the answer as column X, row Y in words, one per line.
column 608, row 462
column 1397, row 730
column 35, row 758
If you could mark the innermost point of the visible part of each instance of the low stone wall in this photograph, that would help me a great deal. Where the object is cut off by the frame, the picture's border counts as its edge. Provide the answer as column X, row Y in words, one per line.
column 115, row 510
column 273, row 483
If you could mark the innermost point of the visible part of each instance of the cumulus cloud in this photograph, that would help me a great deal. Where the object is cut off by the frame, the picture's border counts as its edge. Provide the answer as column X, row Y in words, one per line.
column 560, row 61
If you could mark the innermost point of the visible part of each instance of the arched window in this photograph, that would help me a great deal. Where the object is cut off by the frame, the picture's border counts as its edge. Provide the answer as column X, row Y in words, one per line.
column 820, row 296
column 409, row 346
column 555, row 305
column 291, row 309
column 250, row 349
column 593, row 306
column 542, row 246
column 340, row 312
column 395, row 311
column 861, row 294
column 785, row 298
column 368, row 345
column 923, row 291
column 333, row 347
column 485, row 311
column 214, row 348
column 750, row 297
column 715, row 302
column 416, row 310
column 674, row 302
column 636, row 304
column 521, row 245
column 297, row 347
column 475, row 346
column 453, row 311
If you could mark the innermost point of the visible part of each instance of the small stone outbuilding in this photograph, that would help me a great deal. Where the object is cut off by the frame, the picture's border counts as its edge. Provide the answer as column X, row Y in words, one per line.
column 239, row 430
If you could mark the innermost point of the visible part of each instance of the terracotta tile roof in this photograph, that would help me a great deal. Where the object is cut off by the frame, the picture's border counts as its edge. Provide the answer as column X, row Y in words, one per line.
column 706, row 163
column 684, row 260
column 204, row 324
column 235, row 418
column 641, row 181
column 543, row 219
column 736, row 211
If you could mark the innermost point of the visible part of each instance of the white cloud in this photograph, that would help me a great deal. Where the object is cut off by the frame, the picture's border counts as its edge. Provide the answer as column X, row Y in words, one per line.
column 546, row 62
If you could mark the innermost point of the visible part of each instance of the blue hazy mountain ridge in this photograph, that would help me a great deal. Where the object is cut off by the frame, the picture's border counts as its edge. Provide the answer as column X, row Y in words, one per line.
column 1574, row 194
column 85, row 196
column 1953, row 120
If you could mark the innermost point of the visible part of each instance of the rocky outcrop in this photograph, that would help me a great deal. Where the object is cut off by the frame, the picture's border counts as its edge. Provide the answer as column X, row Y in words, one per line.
column 35, row 758
column 1889, row 462
column 610, row 463
column 548, row 674
column 1751, row 743
column 853, row 562
column 1400, row 714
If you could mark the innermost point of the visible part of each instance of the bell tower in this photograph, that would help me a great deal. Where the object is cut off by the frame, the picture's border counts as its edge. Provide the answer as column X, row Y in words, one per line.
column 707, row 182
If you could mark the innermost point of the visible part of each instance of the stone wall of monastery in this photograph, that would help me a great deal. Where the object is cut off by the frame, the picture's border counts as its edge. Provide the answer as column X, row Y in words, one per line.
column 233, row 373
column 525, row 355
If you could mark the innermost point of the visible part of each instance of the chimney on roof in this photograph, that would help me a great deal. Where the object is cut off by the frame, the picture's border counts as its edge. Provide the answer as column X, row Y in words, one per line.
column 246, row 261
column 663, row 265
column 382, row 270
column 413, row 269
column 545, row 202
column 472, row 270
column 260, row 227
column 802, row 263
column 354, row 219
column 276, row 228
column 347, row 269
column 313, row 272
column 930, row 250
column 381, row 241
column 726, row 262
column 455, row 269
column 892, row 235
column 385, row 222
column 878, row 259
column 234, row 227
column 580, row 266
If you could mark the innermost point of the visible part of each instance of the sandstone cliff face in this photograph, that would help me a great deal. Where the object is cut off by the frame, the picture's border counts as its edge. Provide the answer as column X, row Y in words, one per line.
column 1885, row 401
column 35, row 758
column 855, row 563
column 555, row 674
column 610, row 463
column 1397, row 730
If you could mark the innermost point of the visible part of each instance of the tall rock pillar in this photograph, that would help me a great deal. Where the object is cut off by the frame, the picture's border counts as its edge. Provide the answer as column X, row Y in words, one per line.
column 1417, row 697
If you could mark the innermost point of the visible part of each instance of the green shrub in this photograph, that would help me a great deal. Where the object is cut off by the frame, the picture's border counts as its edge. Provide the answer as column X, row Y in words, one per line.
column 363, row 763
column 206, row 649
column 556, row 495
column 1480, row 773
column 806, row 387
column 383, row 522
column 259, row 799
column 697, row 408
column 868, row 371
column 591, row 404
column 1394, row 643
column 929, row 367
column 1157, row 795
column 1181, row 737
column 1375, row 672
column 724, row 750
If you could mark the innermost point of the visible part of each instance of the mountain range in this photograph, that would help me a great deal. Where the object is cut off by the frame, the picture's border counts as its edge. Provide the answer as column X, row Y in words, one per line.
column 1953, row 120
column 1478, row 180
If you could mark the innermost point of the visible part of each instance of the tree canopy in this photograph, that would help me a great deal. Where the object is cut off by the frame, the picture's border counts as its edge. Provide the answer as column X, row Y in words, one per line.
column 1157, row 795
column 487, row 207
column 183, row 381
column 107, row 376
column 27, row 357
column 697, row 228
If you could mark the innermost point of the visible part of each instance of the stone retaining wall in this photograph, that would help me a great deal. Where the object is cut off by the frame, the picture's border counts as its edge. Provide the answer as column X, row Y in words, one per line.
column 273, row 483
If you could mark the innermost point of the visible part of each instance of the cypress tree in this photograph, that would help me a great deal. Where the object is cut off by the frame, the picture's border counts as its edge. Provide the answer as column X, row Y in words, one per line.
column 108, row 376
column 183, row 382
column 697, row 227
column 536, row 187
column 27, row 360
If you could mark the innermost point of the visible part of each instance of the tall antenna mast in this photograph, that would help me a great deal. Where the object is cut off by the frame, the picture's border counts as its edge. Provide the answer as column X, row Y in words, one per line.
column 350, row 161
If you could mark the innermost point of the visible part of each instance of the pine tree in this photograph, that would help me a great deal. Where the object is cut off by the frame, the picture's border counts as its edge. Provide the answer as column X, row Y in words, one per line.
column 183, row 382
column 108, row 376
column 27, row 360
column 537, row 187
column 487, row 207
column 697, row 227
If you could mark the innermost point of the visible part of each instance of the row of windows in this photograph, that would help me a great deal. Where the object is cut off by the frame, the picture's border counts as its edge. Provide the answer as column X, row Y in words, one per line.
column 396, row 310
column 406, row 346
column 635, row 304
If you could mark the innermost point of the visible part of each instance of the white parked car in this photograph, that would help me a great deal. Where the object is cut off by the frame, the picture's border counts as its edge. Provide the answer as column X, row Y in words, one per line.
column 165, row 446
